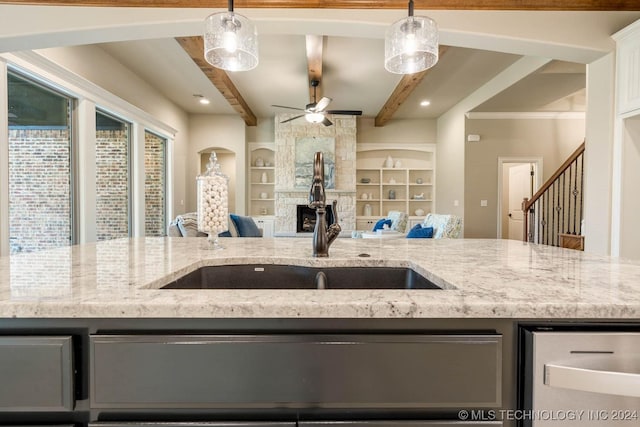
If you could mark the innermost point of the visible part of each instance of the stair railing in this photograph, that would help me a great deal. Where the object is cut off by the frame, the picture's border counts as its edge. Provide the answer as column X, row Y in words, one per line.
column 557, row 207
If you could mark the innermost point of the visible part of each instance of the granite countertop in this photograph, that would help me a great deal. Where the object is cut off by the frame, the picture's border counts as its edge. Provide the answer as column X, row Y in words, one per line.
column 482, row 279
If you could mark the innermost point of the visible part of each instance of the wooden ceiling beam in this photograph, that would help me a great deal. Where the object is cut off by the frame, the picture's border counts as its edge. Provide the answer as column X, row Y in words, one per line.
column 194, row 46
column 592, row 5
column 405, row 87
column 315, row 47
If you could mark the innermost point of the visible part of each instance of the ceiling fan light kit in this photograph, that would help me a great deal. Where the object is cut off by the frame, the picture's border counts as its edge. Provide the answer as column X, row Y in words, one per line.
column 316, row 111
column 230, row 41
column 314, row 117
column 411, row 44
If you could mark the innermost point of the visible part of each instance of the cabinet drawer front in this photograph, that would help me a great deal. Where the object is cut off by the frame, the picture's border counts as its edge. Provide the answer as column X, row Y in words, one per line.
column 37, row 374
column 296, row 371
column 194, row 424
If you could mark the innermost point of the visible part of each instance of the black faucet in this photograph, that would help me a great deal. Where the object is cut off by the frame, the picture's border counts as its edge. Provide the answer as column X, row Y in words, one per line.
column 323, row 236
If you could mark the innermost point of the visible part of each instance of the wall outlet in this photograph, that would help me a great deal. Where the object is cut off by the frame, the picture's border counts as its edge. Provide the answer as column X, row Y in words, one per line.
column 483, row 203
column 456, row 203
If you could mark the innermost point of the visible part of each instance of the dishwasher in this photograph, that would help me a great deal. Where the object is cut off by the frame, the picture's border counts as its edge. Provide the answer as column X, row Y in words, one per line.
column 580, row 378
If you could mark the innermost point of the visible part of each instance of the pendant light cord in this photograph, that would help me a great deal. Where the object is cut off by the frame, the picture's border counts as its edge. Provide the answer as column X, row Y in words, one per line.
column 410, row 7
column 230, row 5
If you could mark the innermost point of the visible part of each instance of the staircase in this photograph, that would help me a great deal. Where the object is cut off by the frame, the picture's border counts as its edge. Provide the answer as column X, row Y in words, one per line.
column 553, row 216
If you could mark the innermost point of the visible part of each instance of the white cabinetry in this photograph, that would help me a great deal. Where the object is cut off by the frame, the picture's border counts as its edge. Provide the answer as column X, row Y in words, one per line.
column 628, row 66
column 409, row 187
column 625, row 228
column 267, row 224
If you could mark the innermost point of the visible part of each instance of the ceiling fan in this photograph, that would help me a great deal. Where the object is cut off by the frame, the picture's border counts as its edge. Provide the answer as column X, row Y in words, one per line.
column 316, row 111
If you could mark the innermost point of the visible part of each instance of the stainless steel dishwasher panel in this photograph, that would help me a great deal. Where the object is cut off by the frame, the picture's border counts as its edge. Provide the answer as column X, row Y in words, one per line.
column 399, row 423
column 296, row 371
column 586, row 379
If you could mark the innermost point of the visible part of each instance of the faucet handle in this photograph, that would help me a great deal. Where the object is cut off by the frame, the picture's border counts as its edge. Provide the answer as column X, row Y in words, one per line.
column 334, row 205
column 316, row 195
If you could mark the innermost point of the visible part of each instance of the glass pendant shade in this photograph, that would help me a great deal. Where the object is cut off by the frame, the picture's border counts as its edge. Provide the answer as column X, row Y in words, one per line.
column 230, row 42
column 411, row 45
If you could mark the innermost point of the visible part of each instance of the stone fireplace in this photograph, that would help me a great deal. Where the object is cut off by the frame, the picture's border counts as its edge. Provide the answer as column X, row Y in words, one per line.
column 288, row 196
column 306, row 218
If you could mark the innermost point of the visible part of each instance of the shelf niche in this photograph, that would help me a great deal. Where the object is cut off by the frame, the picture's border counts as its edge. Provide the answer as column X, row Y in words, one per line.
column 412, row 176
column 261, row 194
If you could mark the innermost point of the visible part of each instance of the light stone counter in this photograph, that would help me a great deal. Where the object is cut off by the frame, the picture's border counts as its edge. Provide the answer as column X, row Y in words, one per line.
column 483, row 279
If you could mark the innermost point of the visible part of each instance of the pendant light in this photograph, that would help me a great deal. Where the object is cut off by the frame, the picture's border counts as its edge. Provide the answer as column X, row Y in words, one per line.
column 411, row 44
column 230, row 41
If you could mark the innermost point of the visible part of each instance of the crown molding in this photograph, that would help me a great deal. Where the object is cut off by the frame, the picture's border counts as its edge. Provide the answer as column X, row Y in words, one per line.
column 532, row 115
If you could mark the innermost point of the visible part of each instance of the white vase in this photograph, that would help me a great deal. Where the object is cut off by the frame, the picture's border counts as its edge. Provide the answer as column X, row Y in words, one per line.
column 264, row 179
column 389, row 162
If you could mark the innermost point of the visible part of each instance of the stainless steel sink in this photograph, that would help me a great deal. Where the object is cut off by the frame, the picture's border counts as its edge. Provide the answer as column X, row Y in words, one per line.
column 267, row 276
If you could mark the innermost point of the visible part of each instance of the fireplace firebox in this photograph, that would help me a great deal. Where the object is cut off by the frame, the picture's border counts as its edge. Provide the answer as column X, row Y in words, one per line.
column 306, row 218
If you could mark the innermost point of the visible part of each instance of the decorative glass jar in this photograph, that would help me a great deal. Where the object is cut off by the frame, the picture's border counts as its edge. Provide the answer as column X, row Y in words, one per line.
column 213, row 200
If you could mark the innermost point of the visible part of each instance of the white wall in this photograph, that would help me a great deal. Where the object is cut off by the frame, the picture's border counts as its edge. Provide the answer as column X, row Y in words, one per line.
column 452, row 136
column 553, row 140
column 396, row 131
column 209, row 131
column 598, row 155
column 264, row 131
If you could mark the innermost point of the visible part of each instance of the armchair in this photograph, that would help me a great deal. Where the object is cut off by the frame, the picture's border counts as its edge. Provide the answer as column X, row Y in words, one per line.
column 444, row 226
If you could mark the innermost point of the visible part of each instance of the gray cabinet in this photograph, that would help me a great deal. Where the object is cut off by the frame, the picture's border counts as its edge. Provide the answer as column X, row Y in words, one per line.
column 37, row 374
column 296, row 371
column 195, row 424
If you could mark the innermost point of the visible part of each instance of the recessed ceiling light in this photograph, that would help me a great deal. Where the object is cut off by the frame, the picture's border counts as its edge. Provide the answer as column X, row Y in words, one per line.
column 425, row 103
column 201, row 99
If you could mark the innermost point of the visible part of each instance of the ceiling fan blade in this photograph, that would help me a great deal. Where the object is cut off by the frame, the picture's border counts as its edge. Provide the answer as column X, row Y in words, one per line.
column 346, row 112
column 327, row 122
column 290, row 108
column 322, row 104
column 292, row 118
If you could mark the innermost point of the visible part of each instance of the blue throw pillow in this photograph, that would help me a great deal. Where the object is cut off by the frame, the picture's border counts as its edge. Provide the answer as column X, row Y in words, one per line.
column 246, row 226
column 381, row 223
column 419, row 232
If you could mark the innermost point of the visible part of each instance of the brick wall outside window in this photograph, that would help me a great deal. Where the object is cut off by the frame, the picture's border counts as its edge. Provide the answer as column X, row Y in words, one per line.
column 39, row 189
column 154, row 185
column 112, row 184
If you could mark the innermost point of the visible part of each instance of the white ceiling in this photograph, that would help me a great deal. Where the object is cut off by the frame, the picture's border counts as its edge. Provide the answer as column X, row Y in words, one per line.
column 482, row 44
column 353, row 76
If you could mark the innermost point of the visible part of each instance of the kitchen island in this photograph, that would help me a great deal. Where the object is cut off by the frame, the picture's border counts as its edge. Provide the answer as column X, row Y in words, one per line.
column 480, row 279
column 92, row 322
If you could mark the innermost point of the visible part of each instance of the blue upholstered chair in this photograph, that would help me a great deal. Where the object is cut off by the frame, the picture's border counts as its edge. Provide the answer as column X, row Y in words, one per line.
column 186, row 225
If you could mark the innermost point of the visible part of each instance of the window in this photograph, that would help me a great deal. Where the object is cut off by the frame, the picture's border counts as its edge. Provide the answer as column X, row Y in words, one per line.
column 40, row 166
column 113, row 209
column 154, row 184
